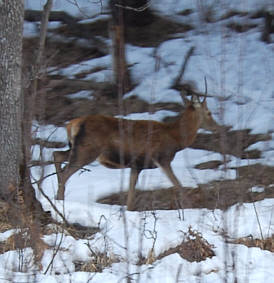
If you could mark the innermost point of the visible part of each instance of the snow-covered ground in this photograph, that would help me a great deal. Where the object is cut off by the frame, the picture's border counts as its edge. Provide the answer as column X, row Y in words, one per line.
column 238, row 67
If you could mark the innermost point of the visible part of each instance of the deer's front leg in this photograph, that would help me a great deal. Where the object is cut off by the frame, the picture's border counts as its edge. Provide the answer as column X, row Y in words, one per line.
column 59, row 158
column 166, row 168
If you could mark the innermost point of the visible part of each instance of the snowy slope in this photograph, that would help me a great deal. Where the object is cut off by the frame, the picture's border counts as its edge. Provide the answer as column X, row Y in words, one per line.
column 238, row 67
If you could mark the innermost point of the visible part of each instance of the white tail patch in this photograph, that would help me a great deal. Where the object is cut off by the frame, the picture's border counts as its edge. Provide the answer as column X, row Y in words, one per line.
column 73, row 129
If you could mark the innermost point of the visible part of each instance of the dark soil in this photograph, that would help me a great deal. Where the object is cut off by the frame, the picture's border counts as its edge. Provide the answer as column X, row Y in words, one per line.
column 150, row 35
column 216, row 194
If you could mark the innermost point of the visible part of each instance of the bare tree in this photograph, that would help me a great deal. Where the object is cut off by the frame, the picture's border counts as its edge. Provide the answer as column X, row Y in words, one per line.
column 11, row 101
column 120, row 70
column 16, row 192
column 19, row 203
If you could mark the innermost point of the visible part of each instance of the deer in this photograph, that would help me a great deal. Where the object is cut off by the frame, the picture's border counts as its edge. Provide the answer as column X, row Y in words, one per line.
column 119, row 143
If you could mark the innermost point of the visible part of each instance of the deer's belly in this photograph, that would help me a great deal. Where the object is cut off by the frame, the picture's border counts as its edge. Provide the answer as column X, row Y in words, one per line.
column 117, row 161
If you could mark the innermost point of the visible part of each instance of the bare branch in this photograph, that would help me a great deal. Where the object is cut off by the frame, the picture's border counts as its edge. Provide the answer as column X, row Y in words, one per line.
column 139, row 9
column 43, row 32
column 53, row 206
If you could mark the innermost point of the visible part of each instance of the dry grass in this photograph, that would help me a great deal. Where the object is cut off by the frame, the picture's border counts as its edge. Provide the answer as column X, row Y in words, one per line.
column 5, row 224
column 265, row 244
column 98, row 263
column 193, row 248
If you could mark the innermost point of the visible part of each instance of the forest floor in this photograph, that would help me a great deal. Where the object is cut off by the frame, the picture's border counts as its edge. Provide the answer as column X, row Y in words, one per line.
column 55, row 107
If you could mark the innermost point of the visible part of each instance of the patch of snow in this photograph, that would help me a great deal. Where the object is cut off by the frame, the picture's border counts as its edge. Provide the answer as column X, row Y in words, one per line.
column 81, row 94
column 79, row 8
column 157, row 116
column 256, row 189
column 49, row 132
column 30, row 29
column 75, row 69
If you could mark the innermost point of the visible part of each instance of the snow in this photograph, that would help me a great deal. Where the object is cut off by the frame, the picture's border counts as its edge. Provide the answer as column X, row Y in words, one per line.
column 256, row 189
column 80, row 8
column 172, row 6
column 74, row 69
column 157, row 116
column 86, row 94
column 239, row 72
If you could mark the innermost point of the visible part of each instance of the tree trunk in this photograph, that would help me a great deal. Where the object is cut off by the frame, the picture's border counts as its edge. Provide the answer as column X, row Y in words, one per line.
column 15, row 187
column 120, row 69
column 11, row 22
column 19, row 204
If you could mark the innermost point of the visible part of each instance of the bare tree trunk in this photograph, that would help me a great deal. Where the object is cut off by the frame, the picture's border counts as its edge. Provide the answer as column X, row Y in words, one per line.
column 120, row 69
column 18, row 197
column 11, row 22
column 15, row 184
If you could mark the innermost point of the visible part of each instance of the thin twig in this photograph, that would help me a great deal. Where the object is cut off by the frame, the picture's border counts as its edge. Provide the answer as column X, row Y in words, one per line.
column 83, row 169
column 139, row 9
column 259, row 223
column 43, row 34
column 53, row 206
column 55, row 253
column 178, row 273
column 42, row 179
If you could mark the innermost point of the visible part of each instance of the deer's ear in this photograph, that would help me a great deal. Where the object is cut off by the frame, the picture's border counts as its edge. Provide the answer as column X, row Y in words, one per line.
column 186, row 101
column 204, row 102
column 189, row 103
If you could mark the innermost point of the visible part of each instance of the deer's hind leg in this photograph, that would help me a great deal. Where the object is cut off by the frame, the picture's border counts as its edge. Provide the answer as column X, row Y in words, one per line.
column 77, row 158
column 134, row 173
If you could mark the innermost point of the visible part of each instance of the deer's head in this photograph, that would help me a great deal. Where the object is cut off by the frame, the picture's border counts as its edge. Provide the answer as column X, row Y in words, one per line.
column 205, row 119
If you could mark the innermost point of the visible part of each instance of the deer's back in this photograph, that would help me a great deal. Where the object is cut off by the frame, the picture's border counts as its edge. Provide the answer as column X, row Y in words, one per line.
column 138, row 140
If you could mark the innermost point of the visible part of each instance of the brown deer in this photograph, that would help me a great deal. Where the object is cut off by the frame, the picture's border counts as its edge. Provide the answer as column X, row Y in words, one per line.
column 135, row 144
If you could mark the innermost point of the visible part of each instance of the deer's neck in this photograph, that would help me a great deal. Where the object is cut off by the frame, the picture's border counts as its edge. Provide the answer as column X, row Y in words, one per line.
column 184, row 130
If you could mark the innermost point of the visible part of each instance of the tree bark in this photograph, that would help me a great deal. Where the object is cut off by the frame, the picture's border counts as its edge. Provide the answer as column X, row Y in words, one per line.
column 15, row 187
column 11, row 33
column 120, row 70
column 19, row 203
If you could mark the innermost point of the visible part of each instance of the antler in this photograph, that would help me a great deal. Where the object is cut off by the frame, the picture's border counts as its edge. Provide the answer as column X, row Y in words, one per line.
column 205, row 90
column 195, row 96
